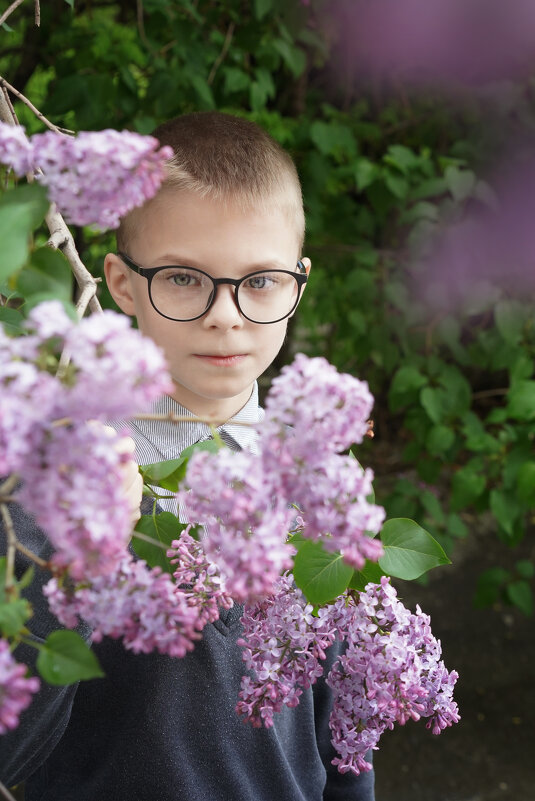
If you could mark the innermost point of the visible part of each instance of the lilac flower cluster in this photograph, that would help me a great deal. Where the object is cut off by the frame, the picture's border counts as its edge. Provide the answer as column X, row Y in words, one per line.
column 16, row 689
column 389, row 673
column 243, row 500
column 133, row 166
column 283, row 644
column 199, row 579
column 142, row 606
column 71, row 469
column 245, row 526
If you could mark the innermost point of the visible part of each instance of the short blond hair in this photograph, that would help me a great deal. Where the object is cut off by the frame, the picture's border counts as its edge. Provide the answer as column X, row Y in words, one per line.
column 226, row 158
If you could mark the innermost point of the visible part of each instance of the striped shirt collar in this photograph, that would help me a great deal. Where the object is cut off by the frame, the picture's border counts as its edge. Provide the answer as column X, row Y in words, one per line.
column 159, row 440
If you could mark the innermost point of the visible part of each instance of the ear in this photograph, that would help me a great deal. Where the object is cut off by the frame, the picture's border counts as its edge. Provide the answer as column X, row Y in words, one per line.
column 307, row 264
column 119, row 280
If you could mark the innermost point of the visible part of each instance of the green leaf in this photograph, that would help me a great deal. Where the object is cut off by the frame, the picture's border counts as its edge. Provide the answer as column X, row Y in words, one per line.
column 461, row 183
column 11, row 320
column 439, row 440
column 432, row 401
column 405, row 383
column 520, row 595
column 321, row 575
column 466, row 486
column 525, row 483
column 236, row 80
column 204, row 91
column 169, row 474
column 510, row 320
column 294, row 58
column 365, row 172
column 521, row 400
column 504, row 509
column 398, row 185
column 261, row 8
column 46, row 275
column 65, row 658
column 525, row 568
column 21, row 211
column 371, row 573
column 13, row 616
column 409, row 549
column 164, row 528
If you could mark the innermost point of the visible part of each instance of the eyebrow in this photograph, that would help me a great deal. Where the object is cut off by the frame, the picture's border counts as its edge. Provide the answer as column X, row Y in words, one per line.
column 172, row 260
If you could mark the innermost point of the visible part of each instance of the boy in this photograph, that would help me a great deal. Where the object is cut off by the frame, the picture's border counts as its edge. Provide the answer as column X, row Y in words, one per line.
column 157, row 728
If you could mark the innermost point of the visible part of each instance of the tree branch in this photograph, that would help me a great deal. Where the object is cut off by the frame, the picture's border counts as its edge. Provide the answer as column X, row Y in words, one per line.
column 38, row 114
column 5, row 794
column 224, row 50
column 37, row 13
column 11, row 547
column 15, row 4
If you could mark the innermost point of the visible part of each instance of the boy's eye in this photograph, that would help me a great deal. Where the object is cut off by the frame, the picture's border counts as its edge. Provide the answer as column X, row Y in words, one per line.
column 263, row 281
column 183, row 278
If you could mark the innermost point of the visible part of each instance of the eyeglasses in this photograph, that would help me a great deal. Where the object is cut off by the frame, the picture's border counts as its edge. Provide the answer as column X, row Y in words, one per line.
column 185, row 293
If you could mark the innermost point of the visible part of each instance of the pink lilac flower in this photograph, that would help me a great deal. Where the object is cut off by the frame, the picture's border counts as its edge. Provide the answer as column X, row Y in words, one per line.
column 16, row 689
column 141, row 606
column 390, row 672
column 245, row 525
column 283, row 646
column 133, row 166
column 15, row 149
column 27, row 396
column 119, row 372
column 332, row 499
column 73, row 487
column 199, row 579
column 445, row 41
column 94, row 178
column 326, row 410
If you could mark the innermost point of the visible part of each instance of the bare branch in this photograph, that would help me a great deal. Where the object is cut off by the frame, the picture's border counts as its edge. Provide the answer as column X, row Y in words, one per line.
column 38, row 114
column 15, row 4
column 5, row 794
column 11, row 547
column 37, row 13
column 184, row 418
column 62, row 239
column 224, row 50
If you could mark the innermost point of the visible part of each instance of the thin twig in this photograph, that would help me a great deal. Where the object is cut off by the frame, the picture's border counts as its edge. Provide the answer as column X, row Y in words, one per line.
column 40, row 116
column 62, row 239
column 11, row 547
column 9, row 484
column 33, row 556
column 145, row 537
column 171, row 417
column 37, row 13
column 5, row 794
column 224, row 50
column 490, row 393
column 15, row 4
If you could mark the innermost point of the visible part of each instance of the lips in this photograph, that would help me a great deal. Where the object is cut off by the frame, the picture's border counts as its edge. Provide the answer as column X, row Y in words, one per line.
column 223, row 360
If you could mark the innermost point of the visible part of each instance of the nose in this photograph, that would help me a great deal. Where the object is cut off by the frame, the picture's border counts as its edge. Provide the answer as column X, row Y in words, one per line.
column 224, row 312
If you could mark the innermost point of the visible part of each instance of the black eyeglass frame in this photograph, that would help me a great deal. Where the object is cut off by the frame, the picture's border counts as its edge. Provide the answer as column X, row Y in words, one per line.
column 149, row 273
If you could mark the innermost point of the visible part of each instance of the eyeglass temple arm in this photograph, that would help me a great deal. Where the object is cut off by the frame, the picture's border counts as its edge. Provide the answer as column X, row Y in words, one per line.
column 129, row 263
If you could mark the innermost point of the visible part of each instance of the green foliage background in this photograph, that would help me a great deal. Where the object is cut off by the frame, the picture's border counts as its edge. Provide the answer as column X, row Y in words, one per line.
column 455, row 391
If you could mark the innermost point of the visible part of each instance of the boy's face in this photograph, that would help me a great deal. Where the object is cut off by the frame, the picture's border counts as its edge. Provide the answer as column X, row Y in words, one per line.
column 215, row 359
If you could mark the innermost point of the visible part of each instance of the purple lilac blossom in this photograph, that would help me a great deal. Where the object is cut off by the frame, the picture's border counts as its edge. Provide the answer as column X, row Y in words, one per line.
column 16, row 689
column 245, row 525
column 131, row 167
column 15, row 149
column 73, row 487
column 467, row 42
column 119, row 372
column 198, row 578
column 390, row 672
column 283, row 645
column 321, row 406
column 141, row 606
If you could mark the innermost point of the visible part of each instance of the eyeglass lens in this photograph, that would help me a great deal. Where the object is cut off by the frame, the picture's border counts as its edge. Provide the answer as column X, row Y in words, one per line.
column 184, row 293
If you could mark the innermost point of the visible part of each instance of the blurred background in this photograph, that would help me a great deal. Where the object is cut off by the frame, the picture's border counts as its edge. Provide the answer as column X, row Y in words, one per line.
column 412, row 125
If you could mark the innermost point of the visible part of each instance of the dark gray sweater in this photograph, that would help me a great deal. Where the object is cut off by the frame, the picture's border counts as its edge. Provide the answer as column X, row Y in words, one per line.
column 164, row 729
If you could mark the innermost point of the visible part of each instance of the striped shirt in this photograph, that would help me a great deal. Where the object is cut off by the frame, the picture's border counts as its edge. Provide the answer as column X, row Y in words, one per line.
column 159, row 440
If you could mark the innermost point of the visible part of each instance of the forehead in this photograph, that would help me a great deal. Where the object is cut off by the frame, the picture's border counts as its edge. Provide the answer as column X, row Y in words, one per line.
column 185, row 226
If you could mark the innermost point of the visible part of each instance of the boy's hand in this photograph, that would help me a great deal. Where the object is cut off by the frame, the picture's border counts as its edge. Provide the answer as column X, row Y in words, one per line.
column 132, row 481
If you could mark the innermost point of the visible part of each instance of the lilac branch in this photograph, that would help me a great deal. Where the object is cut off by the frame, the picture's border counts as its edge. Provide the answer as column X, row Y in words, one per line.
column 38, row 114
column 10, row 10
column 4, row 793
